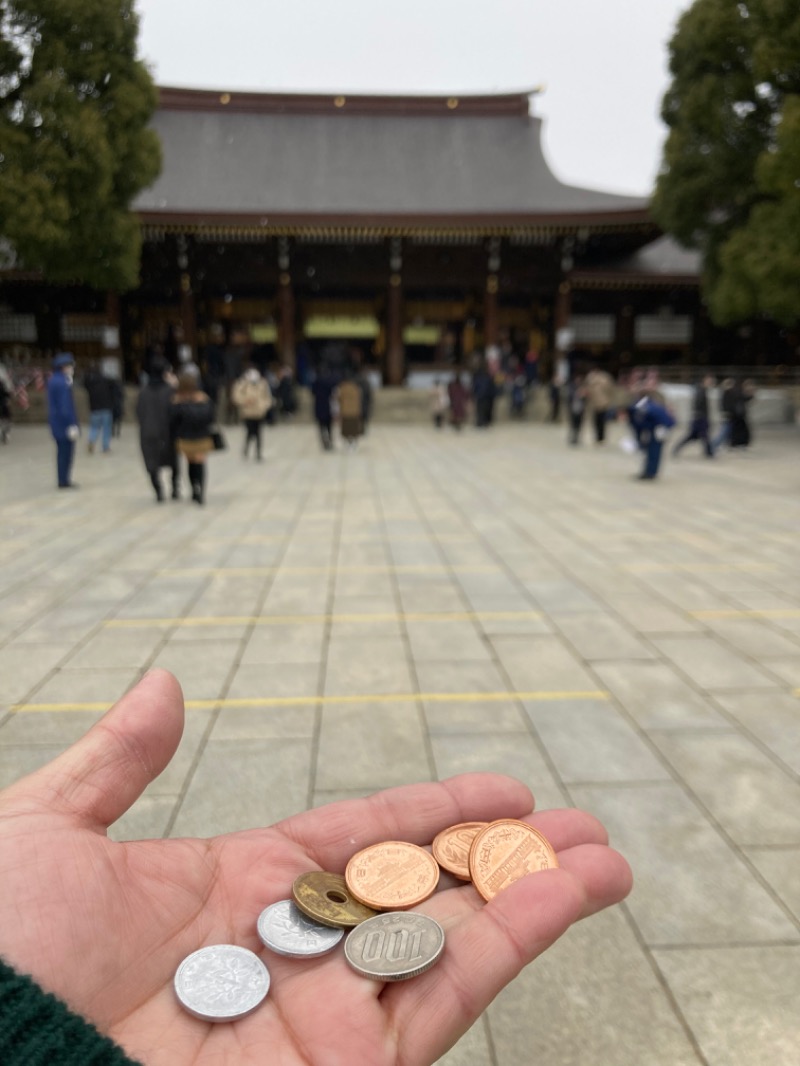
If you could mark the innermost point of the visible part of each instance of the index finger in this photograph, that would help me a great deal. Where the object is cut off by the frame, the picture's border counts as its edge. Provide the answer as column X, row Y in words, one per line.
column 331, row 835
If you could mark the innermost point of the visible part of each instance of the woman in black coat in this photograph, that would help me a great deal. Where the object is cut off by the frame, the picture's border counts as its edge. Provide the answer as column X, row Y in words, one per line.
column 153, row 409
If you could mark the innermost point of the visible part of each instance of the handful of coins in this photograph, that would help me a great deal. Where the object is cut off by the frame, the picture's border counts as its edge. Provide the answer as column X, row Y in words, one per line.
column 386, row 942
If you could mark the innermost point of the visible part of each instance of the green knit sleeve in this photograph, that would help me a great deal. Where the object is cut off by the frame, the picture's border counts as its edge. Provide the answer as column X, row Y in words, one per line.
column 37, row 1029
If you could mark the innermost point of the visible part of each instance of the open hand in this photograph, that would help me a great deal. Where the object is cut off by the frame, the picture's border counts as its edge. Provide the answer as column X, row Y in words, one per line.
column 104, row 925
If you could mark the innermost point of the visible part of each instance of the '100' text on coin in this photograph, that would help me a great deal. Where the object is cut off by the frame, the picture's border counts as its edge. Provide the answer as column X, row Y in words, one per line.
column 394, row 946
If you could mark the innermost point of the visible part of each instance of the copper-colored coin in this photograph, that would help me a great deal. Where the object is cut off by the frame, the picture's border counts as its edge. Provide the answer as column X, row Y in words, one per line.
column 451, row 847
column 327, row 899
column 505, row 851
column 392, row 875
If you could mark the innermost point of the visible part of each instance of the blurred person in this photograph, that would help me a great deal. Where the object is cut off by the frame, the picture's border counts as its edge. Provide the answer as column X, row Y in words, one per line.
column 600, row 394
column 558, row 380
column 458, row 398
column 62, row 417
column 439, row 402
column 100, row 390
column 576, row 406
column 367, row 398
column 726, row 407
column 153, row 413
column 117, row 407
column 322, row 391
column 743, row 394
column 214, row 358
column 234, row 357
column 349, row 397
column 655, row 420
column 252, row 397
column 699, row 426
column 6, row 392
column 286, row 394
column 191, row 425
column 483, row 392
column 518, row 393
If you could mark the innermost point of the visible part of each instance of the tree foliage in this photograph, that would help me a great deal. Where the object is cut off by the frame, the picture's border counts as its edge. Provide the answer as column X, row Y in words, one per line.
column 75, row 148
column 730, row 176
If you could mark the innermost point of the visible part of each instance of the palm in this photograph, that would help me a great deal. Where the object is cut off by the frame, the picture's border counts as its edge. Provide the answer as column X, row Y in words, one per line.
column 106, row 924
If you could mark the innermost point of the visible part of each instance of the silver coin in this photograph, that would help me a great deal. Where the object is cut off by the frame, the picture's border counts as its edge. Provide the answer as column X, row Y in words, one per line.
column 394, row 946
column 221, row 983
column 285, row 930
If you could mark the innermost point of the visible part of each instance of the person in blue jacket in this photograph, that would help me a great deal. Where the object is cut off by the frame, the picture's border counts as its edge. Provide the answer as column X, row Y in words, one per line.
column 653, row 420
column 62, row 417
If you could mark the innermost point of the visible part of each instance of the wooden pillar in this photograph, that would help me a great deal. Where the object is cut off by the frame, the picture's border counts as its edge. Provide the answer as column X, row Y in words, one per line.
column 286, row 336
column 395, row 354
column 491, row 332
column 188, row 313
column 623, row 330
column 563, row 309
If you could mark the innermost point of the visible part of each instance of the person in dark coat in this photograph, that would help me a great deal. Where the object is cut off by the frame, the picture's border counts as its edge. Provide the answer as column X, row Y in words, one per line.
column 100, row 390
column 153, row 409
column 322, row 390
column 362, row 378
column 62, row 417
column 483, row 391
column 743, row 393
column 699, row 427
column 118, row 407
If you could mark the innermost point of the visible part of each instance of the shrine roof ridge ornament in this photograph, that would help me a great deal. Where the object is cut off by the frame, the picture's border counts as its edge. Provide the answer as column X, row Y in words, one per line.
column 504, row 104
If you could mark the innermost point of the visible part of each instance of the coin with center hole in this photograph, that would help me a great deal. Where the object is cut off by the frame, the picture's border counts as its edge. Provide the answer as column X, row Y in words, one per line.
column 287, row 931
column 326, row 898
column 221, row 983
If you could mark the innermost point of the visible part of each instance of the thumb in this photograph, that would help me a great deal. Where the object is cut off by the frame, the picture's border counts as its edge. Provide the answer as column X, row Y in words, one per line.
column 100, row 776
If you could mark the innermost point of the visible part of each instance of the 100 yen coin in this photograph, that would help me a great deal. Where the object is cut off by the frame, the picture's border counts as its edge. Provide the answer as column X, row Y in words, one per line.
column 394, row 946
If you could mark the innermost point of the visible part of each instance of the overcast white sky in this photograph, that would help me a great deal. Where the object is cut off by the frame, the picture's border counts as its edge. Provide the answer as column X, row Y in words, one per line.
column 603, row 62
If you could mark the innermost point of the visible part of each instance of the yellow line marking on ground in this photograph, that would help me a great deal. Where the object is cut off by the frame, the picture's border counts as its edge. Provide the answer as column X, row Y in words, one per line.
column 300, row 701
column 381, row 568
column 310, row 619
column 699, row 568
column 777, row 612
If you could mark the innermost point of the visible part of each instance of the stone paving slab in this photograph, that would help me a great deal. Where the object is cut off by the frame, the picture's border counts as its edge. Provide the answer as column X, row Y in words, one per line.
column 433, row 604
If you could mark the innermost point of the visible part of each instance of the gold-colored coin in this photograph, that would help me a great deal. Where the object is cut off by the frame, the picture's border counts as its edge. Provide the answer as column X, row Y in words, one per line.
column 326, row 899
column 451, row 847
column 505, row 851
column 393, row 875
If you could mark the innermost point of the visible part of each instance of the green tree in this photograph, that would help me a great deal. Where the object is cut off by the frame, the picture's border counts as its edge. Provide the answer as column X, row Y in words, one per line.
column 730, row 176
column 75, row 148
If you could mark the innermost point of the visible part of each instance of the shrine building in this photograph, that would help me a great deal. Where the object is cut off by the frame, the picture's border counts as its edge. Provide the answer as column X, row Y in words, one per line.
column 418, row 229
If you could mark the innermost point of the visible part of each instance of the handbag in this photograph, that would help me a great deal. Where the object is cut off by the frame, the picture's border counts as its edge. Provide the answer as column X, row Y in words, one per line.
column 218, row 440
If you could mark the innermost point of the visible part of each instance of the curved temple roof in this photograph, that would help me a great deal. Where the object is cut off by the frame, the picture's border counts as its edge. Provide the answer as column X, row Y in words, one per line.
column 263, row 158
